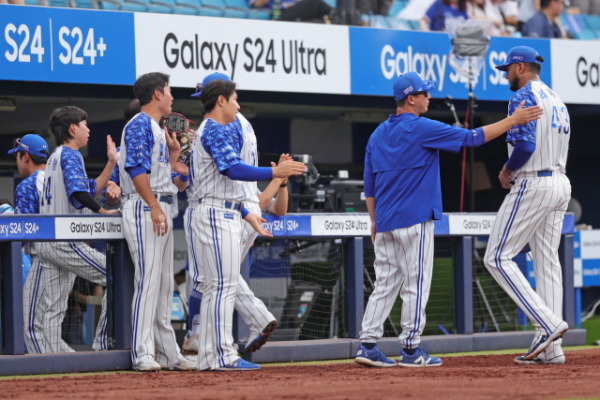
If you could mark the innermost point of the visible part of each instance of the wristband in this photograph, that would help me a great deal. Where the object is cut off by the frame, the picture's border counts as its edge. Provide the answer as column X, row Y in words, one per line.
column 284, row 184
column 184, row 178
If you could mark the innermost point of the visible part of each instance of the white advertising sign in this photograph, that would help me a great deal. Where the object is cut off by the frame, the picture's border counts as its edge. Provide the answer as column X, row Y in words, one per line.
column 341, row 225
column 590, row 244
column 470, row 224
column 575, row 70
column 257, row 55
column 90, row 228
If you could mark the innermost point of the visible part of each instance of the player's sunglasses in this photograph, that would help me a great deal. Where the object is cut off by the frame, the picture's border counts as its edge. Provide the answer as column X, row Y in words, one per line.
column 423, row 92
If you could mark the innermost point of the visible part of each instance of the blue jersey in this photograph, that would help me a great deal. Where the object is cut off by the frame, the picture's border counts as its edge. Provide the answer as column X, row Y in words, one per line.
column 402, row 163
column 27, row 193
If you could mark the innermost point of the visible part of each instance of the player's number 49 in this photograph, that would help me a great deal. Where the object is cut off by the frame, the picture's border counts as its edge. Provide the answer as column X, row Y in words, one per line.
column 560, row 120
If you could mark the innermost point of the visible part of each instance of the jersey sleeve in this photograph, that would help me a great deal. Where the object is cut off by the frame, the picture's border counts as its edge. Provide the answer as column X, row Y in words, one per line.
column 223, row 143
column 27, row 198
column 522, row 132
column 74, row 175
column 139, row 141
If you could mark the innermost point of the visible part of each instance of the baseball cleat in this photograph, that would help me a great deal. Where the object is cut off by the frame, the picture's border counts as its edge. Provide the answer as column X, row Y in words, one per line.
column 182, row 364
column 561, row 359
column 419, row 359
column 373, row 357
column 262, row 338
column 239, row 365
column 544, row 341
column 190, row 344
column 147, row 366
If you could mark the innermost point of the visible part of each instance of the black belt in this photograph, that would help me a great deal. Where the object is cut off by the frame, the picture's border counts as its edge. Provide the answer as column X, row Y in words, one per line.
column 164, row 198
column 544, row 173
column 222, row 203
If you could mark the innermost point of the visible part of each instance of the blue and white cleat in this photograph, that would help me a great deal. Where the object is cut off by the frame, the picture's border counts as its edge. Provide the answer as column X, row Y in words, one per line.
column 544, row 341
column 261, row 339
column 373, row 357
column 239, row 365
column 419, row 359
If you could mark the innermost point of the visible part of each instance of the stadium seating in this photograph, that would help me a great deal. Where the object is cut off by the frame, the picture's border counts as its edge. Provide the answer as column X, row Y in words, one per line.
column 252, row 13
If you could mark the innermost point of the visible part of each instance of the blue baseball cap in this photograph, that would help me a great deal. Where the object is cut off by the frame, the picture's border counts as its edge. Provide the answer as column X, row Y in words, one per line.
column 519, row 54
column 409, row 83
column 209, row 78
column 32, row 144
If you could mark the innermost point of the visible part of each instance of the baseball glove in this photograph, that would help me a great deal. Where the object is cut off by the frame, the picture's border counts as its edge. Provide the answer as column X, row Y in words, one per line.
column 180, row 125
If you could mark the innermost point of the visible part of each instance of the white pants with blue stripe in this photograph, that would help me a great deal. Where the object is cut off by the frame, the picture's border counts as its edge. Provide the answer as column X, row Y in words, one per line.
column 253, row 311
column 403, row 264
column 217, row 250
column 61, row 263
column 152, row 255
column 532, row 213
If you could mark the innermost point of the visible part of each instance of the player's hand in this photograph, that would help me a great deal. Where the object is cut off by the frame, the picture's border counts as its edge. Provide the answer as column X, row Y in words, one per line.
column 181, row 168
column 113, row 193
column 159, row 221
column 282, row 158
column 373, row 232
column 505, row 179
column 524, row 115
column 108, row 212
column 288, row 168
column 111, row 150
column 256, row 222
column 172, row 142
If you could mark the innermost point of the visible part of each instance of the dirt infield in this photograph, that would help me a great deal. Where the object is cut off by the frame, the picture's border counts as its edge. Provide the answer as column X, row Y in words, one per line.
column 469, row 377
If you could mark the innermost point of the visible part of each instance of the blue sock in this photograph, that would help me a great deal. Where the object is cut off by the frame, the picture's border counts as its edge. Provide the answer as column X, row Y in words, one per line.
column 369, row 346
column 194, row 307
column 410, row 352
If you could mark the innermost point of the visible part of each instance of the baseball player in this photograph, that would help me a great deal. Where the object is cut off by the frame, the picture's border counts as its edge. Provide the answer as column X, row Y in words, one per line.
column 253, row 311
column 403, row 196
column 147, row 198
column 67, row 190
column 218, row 169
column 31, row 152
column 533, row 210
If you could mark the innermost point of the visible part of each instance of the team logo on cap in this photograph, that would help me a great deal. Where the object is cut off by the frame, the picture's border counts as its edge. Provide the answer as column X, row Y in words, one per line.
column 408, row 89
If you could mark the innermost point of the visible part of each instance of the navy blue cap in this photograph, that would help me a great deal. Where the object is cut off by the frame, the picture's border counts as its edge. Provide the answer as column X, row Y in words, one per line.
column 519, row 54
column 409, row 83
column 209, row 78
column 32, row 144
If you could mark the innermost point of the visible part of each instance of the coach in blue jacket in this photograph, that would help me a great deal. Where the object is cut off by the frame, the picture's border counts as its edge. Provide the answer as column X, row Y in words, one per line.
column 403, row 195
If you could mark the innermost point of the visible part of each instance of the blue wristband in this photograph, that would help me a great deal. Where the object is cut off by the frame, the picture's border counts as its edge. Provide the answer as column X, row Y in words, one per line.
column 184, row 178
column 244, row 212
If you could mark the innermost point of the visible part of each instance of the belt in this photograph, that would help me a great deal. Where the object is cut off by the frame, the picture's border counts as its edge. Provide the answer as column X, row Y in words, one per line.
column 221, row 203
column 544, row 173
column 163, row 198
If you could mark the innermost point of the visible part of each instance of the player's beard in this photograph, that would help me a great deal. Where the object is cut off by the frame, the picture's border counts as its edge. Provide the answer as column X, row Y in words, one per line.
column 514, row 84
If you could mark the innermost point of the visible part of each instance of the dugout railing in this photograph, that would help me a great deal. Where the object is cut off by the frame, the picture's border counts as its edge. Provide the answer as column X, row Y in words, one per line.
column 352, row 229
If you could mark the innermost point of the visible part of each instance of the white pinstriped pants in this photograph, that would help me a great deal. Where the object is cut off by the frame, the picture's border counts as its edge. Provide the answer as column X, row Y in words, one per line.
column 61, row 263
column 253, row 311
column 532, row 213
column 403, row 264
column 217, row 250
column 152, row 255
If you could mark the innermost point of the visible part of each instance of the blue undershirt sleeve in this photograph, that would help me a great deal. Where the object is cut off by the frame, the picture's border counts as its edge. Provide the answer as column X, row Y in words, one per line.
column 521, row 153
column 249, row 173
column 135, row 171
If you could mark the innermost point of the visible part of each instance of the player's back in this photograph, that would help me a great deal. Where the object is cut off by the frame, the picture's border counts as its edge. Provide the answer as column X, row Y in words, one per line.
column 64, row 175
column 249, row 156
column 552, row 133
column 28, row 193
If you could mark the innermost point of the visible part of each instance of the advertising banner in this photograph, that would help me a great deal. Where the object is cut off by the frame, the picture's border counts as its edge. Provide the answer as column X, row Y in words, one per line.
column 576, row 70
column 273, row 56
column 378, row 56
column 73, row 46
